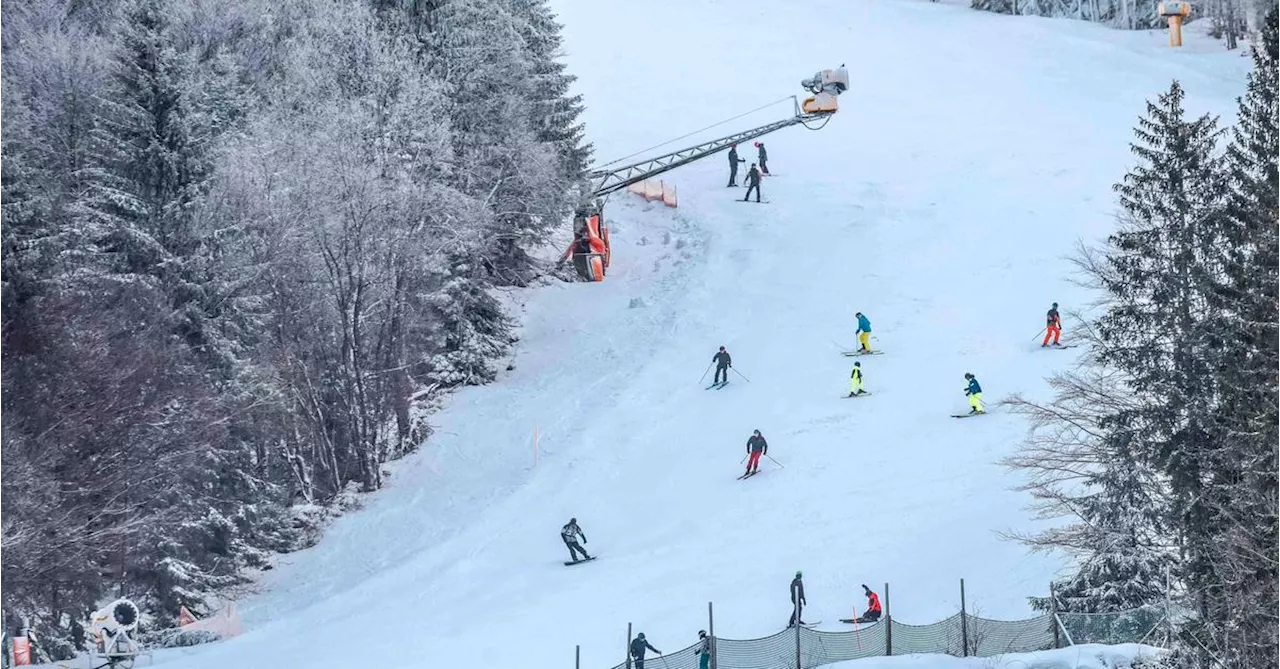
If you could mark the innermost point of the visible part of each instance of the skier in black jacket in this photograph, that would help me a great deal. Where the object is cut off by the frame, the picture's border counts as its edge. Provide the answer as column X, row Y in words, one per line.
column 571, row 533
column 638, row 646
column 763, row 157
column 733, row 165
column 797, row 600
column 723, row 363
column 756, row 446
column 753, row 183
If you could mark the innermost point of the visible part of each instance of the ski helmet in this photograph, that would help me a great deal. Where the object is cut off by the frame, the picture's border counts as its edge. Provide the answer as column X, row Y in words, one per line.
column 1055, row 305
column 757, row 432
column 702, row 634
column 640, row 635
column 721, row 348
column 857, row 364
column 799, row 574
column 967, row 375
column 573, row 521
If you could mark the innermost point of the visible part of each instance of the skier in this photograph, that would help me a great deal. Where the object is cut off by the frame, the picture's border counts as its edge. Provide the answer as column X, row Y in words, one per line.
column 864, row 333
column 733, row 165
column 638, row 646
column 855, row 382
column 753, row 183
column 756, row 446
column 974, row 391
column 763, row 158
column 1053, row 326
column 704, row 650
column 797, row 601
column 570, row 533
column 723, row 363
column 873, row 606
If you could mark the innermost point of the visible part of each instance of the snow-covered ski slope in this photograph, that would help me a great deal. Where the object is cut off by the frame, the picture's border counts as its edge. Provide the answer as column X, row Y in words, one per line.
column 971, row 153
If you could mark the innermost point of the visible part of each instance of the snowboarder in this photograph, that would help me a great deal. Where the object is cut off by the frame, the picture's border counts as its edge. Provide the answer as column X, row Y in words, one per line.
column 723, row 363
column 733, row 165
column 570, row 533
column 703, row 650
column 855, row 381
column 797, row 601
column 638, row 646
column 1053, row 326
column 756, row 446
column 753, row 183
column 873, row 606
column 763, row 158
column 864, row 333
column 974, row 391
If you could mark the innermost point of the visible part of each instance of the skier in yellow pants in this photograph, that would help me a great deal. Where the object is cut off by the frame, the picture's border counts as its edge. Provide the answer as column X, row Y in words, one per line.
column 864, row 333
column 855, row 381
column 974, row 391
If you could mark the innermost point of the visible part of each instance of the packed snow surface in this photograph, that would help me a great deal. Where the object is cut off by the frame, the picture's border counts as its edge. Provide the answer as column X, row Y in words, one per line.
column 971, row 153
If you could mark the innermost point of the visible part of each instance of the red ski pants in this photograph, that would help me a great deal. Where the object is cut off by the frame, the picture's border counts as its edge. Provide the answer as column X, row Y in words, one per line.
column 1054, row 331
column 753, row 462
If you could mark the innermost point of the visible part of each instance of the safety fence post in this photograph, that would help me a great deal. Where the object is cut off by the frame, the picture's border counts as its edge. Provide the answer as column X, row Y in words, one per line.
column 577, row 657
column 711, row 632
column 628, row 646
column 964, row 624
column 798, row 626
column 888, row 623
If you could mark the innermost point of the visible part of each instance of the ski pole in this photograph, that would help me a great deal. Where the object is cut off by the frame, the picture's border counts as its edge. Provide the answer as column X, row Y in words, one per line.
column 744, row 459
column 735, row 371
column 704, row 372
column 1040, row 333
column 774, row 461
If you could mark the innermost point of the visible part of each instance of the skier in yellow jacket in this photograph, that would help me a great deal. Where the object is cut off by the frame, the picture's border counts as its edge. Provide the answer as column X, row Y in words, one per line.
column 855, row 381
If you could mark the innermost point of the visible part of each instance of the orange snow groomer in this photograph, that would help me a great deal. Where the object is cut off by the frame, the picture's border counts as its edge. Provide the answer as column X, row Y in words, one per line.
column 590, row 247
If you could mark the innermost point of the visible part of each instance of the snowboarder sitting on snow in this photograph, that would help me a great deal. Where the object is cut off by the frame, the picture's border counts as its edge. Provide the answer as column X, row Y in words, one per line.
column 763, row 158
column 974, row 391
column 797, row 600
column 864, row 333
column 753, row 183
column 873, row 606
column 756, row 446
column 1053, row 326
column 723, row 363
column 638, row 646
column 703, row 650
column 733, row 165
column 571, row 533
column 855, row 381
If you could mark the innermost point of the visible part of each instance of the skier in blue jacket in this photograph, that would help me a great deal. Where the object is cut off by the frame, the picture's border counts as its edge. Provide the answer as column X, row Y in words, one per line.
column 974, row 391
column 864, row 333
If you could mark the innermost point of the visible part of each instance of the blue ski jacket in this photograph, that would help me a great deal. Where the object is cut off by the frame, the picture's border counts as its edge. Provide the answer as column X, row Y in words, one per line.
column 973, row 388
column 864, row 325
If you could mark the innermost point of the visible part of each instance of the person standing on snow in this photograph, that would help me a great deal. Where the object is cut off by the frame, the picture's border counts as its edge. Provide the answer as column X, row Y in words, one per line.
column 864, row 333
column 974, row 391
column 723, row 363
column 1053, row 326
column 763, row 157
column 753, row 183
column 873, row 606
column 638, row 646
column 571, row 533
column 797, row 601
column 855, row 381
column 733, row 165
column 703, row 650
column 756, row 446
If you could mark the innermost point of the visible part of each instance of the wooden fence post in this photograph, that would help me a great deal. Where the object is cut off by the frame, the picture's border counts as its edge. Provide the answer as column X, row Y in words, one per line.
column 964, row 624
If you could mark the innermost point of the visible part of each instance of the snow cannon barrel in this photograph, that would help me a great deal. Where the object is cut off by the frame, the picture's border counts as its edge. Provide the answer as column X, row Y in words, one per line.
column 825, row 86
column 590, row 248
column 1176, row 11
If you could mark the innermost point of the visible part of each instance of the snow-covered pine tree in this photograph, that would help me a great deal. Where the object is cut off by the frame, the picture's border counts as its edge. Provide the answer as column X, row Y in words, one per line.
column 1241, row 629
column 469, row 327
column 1127, row 14
column 554, row 112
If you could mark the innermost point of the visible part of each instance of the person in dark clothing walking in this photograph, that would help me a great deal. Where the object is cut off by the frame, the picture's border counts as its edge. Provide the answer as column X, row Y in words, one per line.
column 571, row 533
column 723, row 363
column 797, row 600
column 703, row 650
column 753, row 182
column 733, row 165
column 763, row 157
column 756, row 446
column 638, row 646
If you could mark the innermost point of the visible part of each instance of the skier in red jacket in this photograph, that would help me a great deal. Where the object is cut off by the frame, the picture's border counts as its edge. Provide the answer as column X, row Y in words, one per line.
column 873, row 606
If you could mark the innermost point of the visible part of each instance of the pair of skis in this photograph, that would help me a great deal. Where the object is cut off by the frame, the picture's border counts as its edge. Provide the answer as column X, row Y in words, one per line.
column 852, row 354
column 861, row 394
column 717, row 386
column 748, row 475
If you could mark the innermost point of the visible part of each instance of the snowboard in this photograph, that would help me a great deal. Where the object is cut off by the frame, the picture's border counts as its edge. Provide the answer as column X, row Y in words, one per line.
column 570, row 564
column 967, row 415
column 849, row 397
column 851, row 354
column 754, row 202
